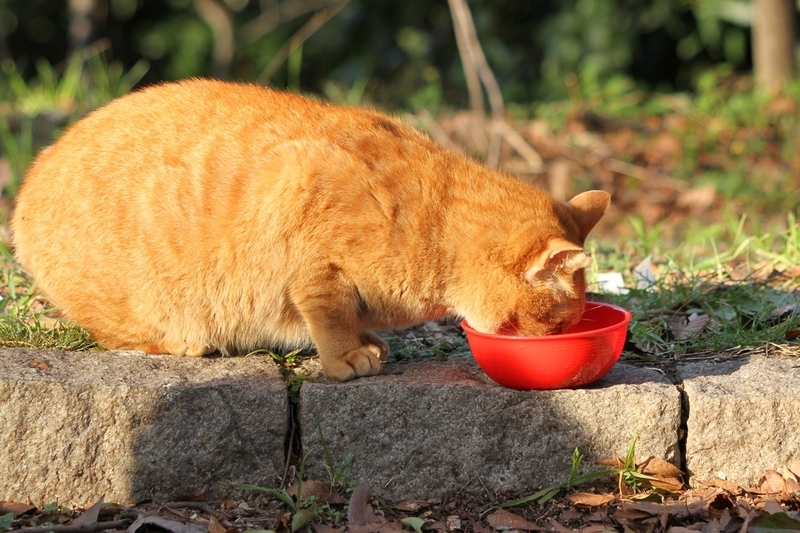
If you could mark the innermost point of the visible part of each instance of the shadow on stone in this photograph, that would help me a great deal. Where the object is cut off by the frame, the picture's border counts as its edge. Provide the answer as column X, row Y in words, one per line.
column 423, row 429
column 129, row 426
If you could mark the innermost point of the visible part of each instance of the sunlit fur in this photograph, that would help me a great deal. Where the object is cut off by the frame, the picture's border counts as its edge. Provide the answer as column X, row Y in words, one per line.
column 201, row 216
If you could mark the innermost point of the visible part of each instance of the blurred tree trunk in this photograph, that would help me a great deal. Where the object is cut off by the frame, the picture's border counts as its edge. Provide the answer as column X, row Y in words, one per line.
column 773, row 43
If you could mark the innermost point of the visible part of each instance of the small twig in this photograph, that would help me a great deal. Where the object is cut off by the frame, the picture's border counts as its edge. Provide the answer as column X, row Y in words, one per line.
column 522, row 147
column 82, row 528
column 436, row 130
column 470, row 73
column 201, row 506
column 289, row 47
column 463, row 23
column 642, row 174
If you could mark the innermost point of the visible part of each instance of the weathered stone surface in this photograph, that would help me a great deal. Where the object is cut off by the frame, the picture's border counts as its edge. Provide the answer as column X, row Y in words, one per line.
column 129, row 426
column 744, row 417
column 419, row 429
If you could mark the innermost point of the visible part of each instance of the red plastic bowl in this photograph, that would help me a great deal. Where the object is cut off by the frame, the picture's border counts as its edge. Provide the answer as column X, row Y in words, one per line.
column 581, row 356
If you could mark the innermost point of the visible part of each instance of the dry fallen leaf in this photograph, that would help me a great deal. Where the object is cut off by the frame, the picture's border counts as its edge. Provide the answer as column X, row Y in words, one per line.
column 723, row 484
column 215, row 527
column 323, row 492
column 359, row 511
column 16, row 508
column 90, row 515
column 659, row 467
column 772, row 483
column 685, row 328
column 504, row 520
column 41, row 365
column 411, row 505
column 772, row 507
column 453, row 523
column 588, row 499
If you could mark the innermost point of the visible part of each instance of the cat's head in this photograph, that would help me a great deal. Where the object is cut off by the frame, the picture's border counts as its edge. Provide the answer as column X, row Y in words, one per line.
column 553, row 276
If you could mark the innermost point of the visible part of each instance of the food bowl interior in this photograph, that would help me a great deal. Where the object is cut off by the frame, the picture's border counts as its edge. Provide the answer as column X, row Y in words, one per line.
column 599, row 316
column 576, row 358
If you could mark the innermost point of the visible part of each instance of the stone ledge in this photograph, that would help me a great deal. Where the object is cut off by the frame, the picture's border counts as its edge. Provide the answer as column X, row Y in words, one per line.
column 744, row 417
column 77, row 426
column 421, row 429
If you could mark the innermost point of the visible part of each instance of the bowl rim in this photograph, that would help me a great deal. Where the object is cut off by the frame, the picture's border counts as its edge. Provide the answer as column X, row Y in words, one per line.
column 565, row 336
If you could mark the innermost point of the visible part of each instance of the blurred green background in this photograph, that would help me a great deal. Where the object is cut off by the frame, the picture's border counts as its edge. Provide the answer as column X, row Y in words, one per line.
column 651, row 100
column 398, row 54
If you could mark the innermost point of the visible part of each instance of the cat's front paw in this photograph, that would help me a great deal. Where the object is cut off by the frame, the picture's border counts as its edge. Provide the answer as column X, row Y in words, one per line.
column 363, row 361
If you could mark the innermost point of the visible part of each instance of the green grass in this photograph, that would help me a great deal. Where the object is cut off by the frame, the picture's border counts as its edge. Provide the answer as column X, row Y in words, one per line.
column 26, row 321
column 744, row 293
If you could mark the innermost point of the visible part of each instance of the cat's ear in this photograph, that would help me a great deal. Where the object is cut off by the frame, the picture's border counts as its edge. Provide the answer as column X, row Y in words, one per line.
column 588, row 208
column 560, row 255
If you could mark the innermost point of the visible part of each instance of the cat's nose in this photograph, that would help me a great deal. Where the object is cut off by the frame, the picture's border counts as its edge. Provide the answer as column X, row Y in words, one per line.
column 568, row 324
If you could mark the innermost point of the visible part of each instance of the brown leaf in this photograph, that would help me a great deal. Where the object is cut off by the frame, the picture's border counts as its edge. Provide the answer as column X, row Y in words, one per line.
column 689, row 327
column 773, row 507
column 679, row 510
column 411, row 505
column 215, row 527
column 502, row 519
column 659, row 467
column 588, row 499
column 359, row 511
column 453, row 523
column 667, row 483
column 90, row 515
column 41, row 365
column 323, row 492
column 792, row 486
column 722, row 484
column 16, row 508
column 794, row 468
column 772, row 483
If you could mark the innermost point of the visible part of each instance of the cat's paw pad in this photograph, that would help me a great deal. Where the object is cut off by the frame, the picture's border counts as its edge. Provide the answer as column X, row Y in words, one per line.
column 363, row 361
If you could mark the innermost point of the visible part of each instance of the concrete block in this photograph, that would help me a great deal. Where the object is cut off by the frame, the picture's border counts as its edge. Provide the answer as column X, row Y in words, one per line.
column 420, row 429
column 744, row 417
column 77, row 426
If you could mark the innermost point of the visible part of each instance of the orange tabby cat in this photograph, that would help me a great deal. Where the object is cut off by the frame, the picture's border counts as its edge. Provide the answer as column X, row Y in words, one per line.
column 201, row 216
